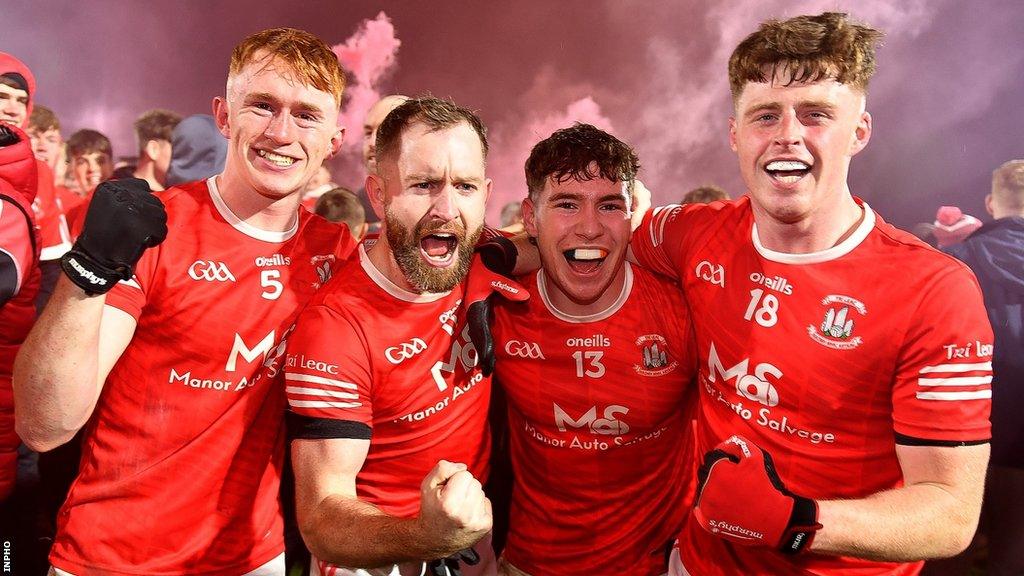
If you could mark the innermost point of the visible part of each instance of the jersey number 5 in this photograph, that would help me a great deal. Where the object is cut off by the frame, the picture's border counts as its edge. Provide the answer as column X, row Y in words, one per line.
column 272, row 287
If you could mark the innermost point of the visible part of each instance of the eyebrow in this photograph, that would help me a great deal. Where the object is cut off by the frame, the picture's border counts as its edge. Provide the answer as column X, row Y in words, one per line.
column 303, row 106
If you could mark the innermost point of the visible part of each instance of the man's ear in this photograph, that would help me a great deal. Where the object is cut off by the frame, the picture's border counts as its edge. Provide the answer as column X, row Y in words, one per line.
column 529, row 217
column 220, row 115
column 861, row 134
column 375, row 193
column 336, row 140
column 152, row 149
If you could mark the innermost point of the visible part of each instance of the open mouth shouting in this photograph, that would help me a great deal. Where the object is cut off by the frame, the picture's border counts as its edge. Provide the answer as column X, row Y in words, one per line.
column 439, row 248
column 276, row 159
column 585, row 260
column 787, row 171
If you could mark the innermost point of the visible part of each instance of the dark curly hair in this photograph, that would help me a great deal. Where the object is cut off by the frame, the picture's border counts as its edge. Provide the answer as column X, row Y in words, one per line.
column 581, row 152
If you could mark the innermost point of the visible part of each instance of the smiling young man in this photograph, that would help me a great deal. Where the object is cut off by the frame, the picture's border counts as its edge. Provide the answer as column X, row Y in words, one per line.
column 389, row 404
column 597, row 368
column 853, row 354
column 157, row 346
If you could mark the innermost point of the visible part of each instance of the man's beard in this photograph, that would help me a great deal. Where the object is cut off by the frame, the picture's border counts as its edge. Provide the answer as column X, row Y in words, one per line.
column 405, row 245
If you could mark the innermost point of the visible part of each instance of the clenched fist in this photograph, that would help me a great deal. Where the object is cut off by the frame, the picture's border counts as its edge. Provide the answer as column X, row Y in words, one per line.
column 454, row 512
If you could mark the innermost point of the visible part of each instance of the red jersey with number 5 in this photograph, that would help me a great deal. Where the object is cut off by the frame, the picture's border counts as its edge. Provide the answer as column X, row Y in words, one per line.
column 826, row 360
column 181, row 459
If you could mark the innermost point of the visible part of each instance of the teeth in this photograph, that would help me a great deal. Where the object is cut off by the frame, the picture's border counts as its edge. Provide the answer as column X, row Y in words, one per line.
column 786, row 165
column 276, row 158
column 588, row 253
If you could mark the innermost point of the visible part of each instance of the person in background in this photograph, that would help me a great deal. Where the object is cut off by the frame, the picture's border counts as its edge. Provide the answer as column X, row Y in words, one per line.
column 512, row 218
column 342, row 205
column 952, row 225
column 374, row 116
column 153, row 134
column 704, row 195
column 995, row 252
column 198, row 150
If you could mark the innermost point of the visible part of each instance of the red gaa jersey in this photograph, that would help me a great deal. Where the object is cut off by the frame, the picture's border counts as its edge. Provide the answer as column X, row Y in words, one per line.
column 181, row 460
column 600, row 420
column 371, row 360
column 826, row 360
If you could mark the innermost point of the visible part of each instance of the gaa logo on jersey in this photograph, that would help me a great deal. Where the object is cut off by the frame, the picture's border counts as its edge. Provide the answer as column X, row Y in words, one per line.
column 836, row 328
column 210, row 271
column 654, row 358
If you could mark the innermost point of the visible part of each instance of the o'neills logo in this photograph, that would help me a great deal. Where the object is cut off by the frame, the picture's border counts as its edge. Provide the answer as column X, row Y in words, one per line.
column 87, row 274
column 275, row 260
column 499, row 285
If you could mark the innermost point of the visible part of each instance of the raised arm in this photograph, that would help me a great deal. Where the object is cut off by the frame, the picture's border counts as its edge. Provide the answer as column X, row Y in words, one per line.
column 63, row 363
column 341, row 529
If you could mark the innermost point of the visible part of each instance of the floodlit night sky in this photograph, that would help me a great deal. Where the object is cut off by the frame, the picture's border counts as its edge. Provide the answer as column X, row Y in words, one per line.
column 946, row 99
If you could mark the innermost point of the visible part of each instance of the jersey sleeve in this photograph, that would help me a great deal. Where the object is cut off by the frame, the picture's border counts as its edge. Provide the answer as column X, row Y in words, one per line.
column 943, row 389
column 16, row 254
column 327, row 377
column 659, row 243
column 130, row 295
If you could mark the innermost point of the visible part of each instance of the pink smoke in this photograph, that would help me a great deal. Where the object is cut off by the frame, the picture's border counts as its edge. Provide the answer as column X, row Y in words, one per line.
column 510, row 148
column 368, row 55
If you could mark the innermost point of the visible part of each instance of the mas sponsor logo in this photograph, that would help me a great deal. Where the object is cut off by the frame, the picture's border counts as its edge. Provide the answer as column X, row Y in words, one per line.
column 520, row 349
column 275, row 260
column 836, row 328
column 757, row 388
column 654, row 356
column 777, row 283
column 210, row 271
column 609, row 425
column 712, row 273
column 405, row 351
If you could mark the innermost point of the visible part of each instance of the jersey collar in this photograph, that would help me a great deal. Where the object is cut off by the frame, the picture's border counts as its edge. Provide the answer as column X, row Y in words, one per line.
column 837, row 251
column 243, row 227
column 627, row 287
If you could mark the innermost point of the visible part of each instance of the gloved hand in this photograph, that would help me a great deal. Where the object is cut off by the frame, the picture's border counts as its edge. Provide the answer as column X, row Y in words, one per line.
column 123, row 220
column 452, row 565
column 741, row 498
column 480, row 284
column 498, row 253
column 7, row 136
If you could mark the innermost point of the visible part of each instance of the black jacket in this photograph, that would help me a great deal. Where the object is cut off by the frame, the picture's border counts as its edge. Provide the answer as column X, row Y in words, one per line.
column 995, row 252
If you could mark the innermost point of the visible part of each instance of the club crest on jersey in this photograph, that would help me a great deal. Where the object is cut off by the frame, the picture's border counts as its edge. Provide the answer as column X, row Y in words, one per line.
column 654, row 356
column 836, row 329
column 322, row 265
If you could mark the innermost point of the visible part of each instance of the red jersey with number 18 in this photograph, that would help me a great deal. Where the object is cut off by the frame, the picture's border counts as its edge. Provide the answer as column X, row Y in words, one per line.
column 181, row 459
column 826, row 360
column 600, row 419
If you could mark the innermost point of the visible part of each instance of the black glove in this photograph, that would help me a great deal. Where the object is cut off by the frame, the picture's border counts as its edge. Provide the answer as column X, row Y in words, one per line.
column 123, row 219
column 499, row 254
column 7, row 136
column 480, row 285
column 451, row 566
